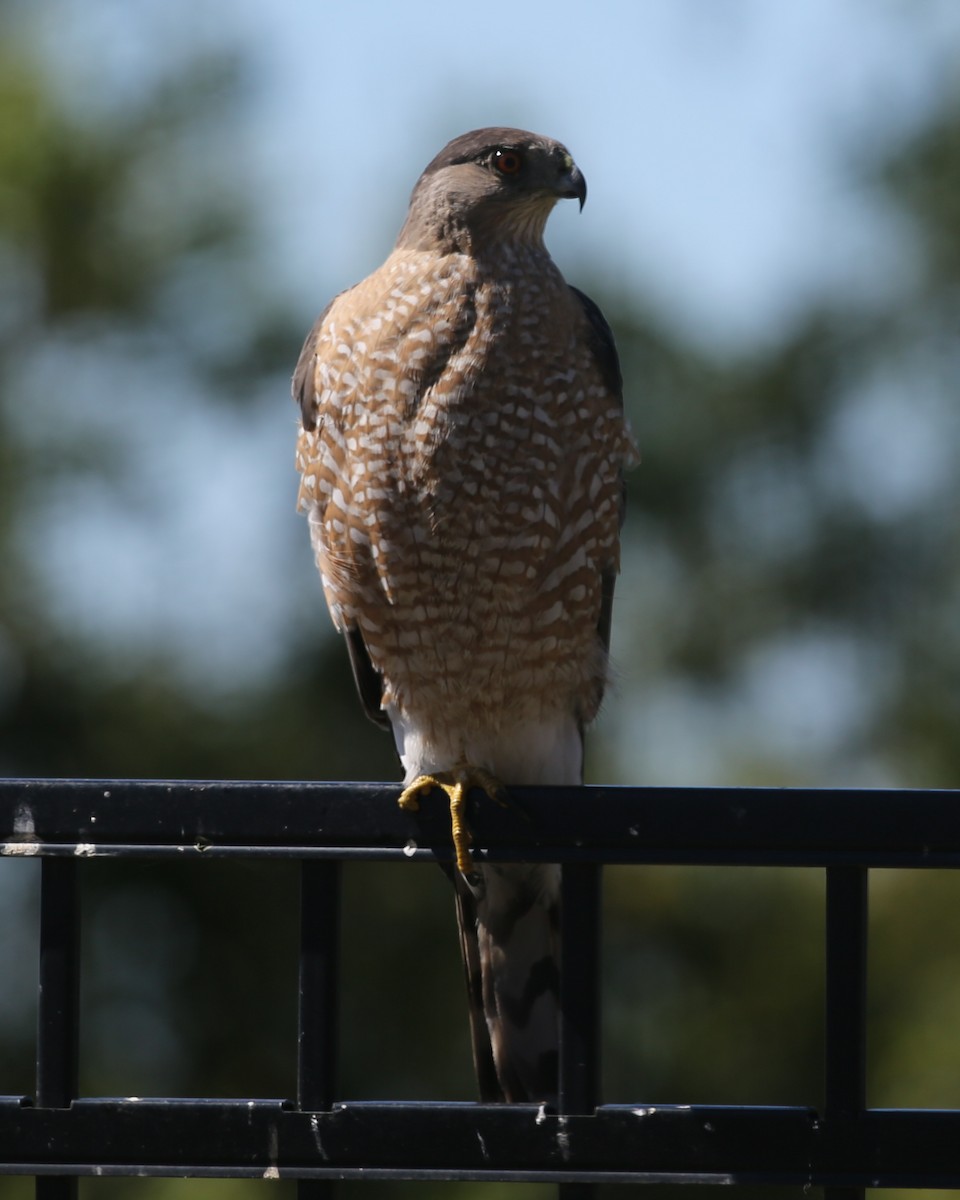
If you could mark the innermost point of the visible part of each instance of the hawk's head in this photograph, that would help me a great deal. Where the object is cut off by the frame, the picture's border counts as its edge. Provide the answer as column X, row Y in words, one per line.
column 491, row 185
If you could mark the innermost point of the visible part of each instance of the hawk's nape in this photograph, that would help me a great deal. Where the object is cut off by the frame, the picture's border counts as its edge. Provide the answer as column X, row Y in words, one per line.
column 461, row 458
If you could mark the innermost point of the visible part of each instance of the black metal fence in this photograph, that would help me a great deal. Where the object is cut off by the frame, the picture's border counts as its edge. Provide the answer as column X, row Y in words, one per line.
column 316, row 1139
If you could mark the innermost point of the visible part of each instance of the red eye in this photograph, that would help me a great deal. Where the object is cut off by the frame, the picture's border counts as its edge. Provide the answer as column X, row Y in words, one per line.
column 507, row 162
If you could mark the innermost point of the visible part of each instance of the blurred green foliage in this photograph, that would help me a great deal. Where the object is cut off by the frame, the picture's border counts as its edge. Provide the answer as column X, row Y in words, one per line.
column 766, row 527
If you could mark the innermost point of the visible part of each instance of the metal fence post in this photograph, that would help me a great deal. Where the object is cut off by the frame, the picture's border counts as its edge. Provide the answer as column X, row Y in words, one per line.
column 318, row 1035
column 58, row 1008
column 579, row 1066
column 846, row 1002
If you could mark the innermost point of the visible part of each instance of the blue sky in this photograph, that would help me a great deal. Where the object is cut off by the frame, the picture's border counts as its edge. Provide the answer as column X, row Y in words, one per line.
column 712, row 132
column 715, row 134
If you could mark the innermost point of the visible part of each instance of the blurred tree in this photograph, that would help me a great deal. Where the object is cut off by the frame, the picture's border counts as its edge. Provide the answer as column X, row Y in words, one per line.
column 802, row 513
column 110, row 229
column 789, row 613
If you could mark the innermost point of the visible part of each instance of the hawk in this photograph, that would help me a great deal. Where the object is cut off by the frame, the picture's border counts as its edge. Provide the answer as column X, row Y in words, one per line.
column 461, row 457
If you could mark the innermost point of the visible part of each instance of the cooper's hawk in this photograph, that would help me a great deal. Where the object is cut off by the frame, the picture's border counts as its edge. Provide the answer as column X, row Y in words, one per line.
column 461, row 457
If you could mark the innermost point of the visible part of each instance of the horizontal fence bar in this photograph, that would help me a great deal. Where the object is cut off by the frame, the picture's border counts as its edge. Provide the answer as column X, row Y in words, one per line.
column 737, row 1145
column 684, row 826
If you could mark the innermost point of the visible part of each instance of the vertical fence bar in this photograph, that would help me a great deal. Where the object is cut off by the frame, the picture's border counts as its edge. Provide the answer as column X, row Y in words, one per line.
column 318, row 1034
column 846, row 1002
column 58, row 1006
column 579, row 1066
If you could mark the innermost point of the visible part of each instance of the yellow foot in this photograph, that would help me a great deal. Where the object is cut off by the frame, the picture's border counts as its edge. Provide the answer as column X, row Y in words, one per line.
column 456, row 784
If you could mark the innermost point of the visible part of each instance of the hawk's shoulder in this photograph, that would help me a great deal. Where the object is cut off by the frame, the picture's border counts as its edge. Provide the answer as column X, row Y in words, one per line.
column 602, row 343
column 603, row 347
column 304, row 376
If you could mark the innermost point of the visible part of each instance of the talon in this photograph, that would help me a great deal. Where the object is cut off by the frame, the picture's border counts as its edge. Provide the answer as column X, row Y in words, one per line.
column 408, row 797
column 455, row 784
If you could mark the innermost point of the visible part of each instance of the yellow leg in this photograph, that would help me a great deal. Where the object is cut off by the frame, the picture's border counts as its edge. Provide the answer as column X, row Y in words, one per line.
column 458, row 828
column 455, row 784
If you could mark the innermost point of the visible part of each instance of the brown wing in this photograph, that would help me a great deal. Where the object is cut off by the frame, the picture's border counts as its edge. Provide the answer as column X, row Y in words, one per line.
column 303, row 386
column 604, row 350
column 368, row 680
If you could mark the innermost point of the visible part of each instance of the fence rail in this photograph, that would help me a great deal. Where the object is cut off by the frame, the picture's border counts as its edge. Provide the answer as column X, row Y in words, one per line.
column 316, row 1138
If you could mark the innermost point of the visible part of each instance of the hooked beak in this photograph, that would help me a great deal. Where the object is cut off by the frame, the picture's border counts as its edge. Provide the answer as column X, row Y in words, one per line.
column 573, row 186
